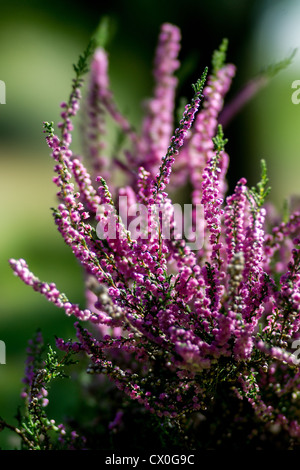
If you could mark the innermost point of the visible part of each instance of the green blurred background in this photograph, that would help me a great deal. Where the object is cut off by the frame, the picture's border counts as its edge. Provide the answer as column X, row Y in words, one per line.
column 38, row 45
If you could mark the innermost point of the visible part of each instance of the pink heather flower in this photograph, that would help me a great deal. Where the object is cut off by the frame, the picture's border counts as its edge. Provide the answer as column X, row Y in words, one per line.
column 99, row 81
column 99, row 71
column 157, row 125
column 173, row 324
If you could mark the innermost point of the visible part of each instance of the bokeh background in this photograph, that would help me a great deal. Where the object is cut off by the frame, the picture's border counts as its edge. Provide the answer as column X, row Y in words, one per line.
column 38, row 45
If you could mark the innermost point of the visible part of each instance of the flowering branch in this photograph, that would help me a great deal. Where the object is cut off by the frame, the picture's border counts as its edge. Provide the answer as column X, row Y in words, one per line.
column 180, row 330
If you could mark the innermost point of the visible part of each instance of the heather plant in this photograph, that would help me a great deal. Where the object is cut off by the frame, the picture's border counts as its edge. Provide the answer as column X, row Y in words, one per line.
column 187, row 337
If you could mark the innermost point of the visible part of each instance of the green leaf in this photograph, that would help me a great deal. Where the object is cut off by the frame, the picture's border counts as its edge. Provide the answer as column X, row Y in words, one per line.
column 273, row 69
column 103, row 33
column 219, row 141
column 259, row 193
column 81, row 67
column 49, row 128
column 219, row 57
column 199, row 85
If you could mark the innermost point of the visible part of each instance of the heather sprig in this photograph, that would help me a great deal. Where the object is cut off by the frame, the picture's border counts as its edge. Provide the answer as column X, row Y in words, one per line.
column 173, row 328
column 257, row 196
column 219, row 141
column 199, row 85
column 82, row 66
column 252, row 88
column 273, row 69
column 162, row 178
column 36, row 430
column 157, row 123
column 219, row 57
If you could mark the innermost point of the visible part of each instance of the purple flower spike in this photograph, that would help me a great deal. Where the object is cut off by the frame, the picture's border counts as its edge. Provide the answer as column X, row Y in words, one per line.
column 181, row 326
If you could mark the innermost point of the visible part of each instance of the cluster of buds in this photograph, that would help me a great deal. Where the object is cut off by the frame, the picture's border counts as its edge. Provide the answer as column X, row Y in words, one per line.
column 179, row 321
